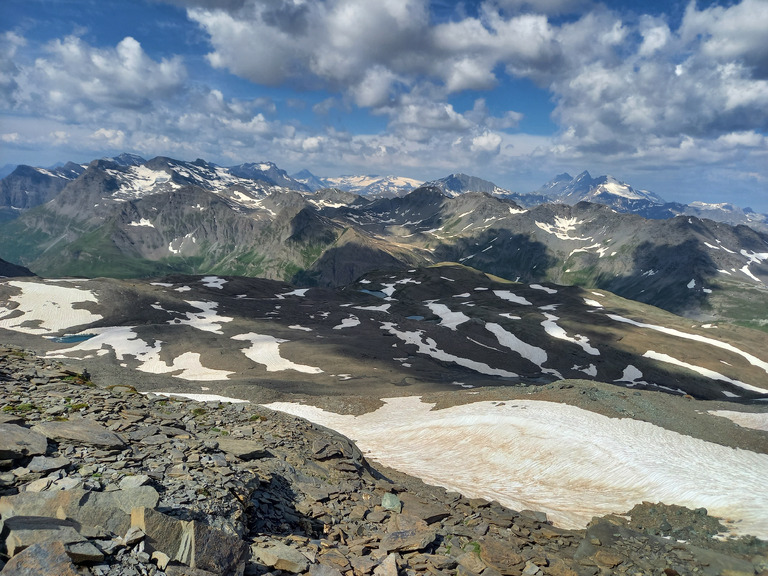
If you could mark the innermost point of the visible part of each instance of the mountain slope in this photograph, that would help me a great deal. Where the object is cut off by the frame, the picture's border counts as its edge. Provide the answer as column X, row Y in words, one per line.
column 431, row 328
column 168, row 216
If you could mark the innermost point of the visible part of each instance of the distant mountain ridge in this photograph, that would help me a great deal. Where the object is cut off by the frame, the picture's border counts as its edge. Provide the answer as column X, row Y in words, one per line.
column 127, row 218
column 622, row 197
column 366, row 185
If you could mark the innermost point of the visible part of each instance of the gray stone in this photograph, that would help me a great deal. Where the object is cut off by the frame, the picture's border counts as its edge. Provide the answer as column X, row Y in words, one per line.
column 388, row 567
column 430, row 513
column 19, row 442
column 280, row 557
column 391, row 502
column 81, row 431
column 128, row 482
column 47, row 559
column 501, row 557
column 215, row 550
column 44, row 464
column 81, row 552
column 109, row 510
column 133, row 536
column 323, row 570
column 407, row 540
column 38, row 485
column 163, row 532
column 192, row 543
column 243, row 449
column 24, row 531
column 471, row 561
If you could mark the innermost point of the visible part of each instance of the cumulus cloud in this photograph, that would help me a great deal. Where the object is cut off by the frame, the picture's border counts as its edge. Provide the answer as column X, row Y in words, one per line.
column 74, row 72
column 641, row 90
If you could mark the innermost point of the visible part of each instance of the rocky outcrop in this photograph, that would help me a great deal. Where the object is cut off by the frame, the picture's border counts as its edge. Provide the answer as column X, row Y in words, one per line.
column 109, row 481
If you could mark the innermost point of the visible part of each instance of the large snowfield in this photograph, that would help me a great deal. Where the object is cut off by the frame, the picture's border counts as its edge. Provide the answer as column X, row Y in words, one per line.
column 571, row 463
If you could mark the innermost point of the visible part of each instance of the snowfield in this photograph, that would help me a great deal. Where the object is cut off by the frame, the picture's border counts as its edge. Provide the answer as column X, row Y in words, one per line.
column 569, row 462
column 46, row 308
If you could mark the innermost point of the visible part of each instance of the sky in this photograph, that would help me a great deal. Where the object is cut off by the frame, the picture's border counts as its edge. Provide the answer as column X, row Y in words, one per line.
column 670, row 96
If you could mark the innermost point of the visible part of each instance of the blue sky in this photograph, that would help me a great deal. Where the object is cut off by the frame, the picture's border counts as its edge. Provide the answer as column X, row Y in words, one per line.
column 669, row 96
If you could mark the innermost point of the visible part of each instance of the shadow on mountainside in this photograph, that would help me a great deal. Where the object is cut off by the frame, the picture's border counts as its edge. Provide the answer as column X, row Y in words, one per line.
column 344, row 264
column 499, row 252
column 670, row 277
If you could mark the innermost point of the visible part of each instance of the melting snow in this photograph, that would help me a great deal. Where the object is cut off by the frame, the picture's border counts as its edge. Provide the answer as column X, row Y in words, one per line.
column 754, row 360
column 265, row 350
column 299, row 327
column 206, row 320
column 631, row 375
column 200, row 397
column 46, row 308
column 590, row 302
column 298, row 292
column 562, row 227
column 590, row 370
column 510, row 297
column 213, row 282
column 703, row 371
column 126, row 342
column 381, row 308
column 551, row 457
column 429, row 347
column 544, row 288
column 448, row 318
column 756, row 421
column 142, row 222
column 551, row 328
column 350, row 322
column 533, row 353
column 691, row 284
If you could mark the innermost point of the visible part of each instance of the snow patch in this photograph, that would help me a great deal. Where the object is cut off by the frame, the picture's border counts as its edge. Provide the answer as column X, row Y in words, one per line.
column 265, row 350
column 711, row 374
column 510, row 297
column 551, row 457
column 551, row 328
column 448, row 319
column 46, row 308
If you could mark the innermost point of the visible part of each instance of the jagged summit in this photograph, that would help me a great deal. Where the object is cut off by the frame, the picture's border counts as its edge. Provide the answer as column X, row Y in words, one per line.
column 457, row 184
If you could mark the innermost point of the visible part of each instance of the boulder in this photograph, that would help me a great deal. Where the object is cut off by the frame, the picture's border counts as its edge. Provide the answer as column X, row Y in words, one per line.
column 280, row 557
column 19, row 442
column 108, row 510
column 24, row 531
column 46, row 559
column 190, row 542
column 243, row 449
column 81, row 431
column 407, row 540
column 501, row 557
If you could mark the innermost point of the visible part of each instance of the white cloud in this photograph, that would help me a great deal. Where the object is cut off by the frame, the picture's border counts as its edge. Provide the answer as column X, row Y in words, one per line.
column 487, row 142
column 635, row 91
column 74, row 74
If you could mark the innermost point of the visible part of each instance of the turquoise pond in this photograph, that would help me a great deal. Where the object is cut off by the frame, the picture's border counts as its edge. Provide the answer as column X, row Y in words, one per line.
column 72, row 338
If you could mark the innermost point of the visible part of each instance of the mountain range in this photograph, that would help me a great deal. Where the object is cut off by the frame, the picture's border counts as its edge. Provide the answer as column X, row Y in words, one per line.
column 539, row 340
column 128, row 217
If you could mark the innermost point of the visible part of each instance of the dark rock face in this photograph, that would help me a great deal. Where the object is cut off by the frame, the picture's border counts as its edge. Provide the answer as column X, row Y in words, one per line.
column 236, row 489
column 9, row 270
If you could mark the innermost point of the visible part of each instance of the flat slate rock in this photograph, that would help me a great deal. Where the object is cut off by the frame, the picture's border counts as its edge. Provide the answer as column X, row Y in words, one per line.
column 19, row 442
column 243, row 449
column 82, row 431
column 48, row 559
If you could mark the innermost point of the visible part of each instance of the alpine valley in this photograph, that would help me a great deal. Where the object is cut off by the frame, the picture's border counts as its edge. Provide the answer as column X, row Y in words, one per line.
column 578, row 350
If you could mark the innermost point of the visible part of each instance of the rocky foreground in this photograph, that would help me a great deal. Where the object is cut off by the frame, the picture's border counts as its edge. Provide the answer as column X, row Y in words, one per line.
column 106, row 481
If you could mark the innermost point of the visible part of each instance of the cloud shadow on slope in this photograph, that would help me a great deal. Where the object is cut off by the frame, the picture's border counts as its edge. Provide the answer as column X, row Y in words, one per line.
column 667, row 287
column 502, row 253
